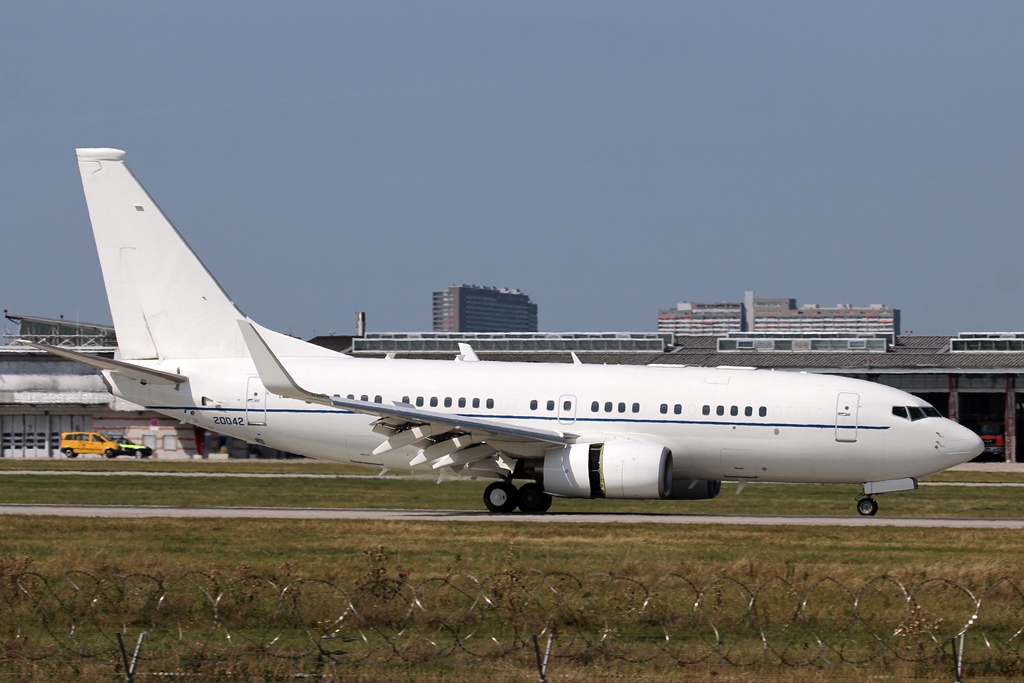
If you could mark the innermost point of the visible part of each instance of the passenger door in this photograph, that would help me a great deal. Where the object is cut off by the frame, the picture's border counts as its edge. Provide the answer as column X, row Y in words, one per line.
column 847, row 407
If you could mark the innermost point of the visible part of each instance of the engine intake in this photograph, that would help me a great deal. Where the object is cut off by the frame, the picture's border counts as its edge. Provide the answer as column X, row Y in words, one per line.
column 616, row 469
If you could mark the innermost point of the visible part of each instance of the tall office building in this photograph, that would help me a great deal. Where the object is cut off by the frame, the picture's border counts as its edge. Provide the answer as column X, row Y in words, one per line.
column 471, row 308
column 777, row 315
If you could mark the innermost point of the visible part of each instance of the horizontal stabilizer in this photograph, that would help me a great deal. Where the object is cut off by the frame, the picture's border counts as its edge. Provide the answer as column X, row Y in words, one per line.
column 136, row 372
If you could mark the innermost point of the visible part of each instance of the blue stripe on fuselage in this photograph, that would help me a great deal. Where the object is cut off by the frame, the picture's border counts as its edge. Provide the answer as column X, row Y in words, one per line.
column 338, row 411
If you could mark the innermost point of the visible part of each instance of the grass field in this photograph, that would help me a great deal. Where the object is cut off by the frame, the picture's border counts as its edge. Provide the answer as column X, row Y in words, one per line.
column 338, row 550
column 348, row 552
column 415, row 493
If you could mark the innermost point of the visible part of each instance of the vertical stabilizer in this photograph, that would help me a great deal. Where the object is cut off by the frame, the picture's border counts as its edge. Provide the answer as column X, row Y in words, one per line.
column 164, row 302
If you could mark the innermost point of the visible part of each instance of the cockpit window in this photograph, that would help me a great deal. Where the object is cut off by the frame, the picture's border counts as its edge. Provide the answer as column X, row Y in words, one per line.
column 916, row 413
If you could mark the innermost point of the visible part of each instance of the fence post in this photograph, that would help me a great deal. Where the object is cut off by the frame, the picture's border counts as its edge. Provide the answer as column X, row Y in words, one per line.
column 542, row 665
column 129, row 668
column 958, row 658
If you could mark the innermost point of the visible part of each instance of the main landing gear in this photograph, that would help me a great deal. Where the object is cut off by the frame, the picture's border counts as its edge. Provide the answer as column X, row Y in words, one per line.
column 502, row 496
column 867, row 506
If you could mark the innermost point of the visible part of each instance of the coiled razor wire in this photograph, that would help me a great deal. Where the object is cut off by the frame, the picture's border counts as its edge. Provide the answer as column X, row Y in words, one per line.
column 194, row 619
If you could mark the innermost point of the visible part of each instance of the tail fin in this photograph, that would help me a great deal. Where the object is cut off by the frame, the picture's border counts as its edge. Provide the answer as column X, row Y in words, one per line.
column 164, row 301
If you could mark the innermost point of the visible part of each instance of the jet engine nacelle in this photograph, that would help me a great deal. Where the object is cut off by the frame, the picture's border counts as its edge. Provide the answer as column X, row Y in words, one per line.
column 690, row 489
column 616, row 469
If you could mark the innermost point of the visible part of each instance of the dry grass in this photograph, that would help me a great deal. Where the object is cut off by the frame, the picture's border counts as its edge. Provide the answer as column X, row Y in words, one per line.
column 335, row 549
column 342, row 552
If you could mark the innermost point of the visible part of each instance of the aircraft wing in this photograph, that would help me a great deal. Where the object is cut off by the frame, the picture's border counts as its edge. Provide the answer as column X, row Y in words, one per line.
column 444, row 439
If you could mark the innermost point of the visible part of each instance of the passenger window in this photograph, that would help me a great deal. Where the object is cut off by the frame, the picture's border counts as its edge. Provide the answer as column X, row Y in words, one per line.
column 405, row 399
column 490, row 403
column 566, row 405
column 364, row 397
column 622, row 407
column 608, row 407
column 419, row 401
column 595, row 406
column 636, row 407
column 350, row 397
column 734, row 411
column 433, row 401
column 748, row 411
column 462, row 403
column 720, row 410
column 706, row 410
column 551, row 405
column 664, row 408
column 900, row 411
column 447, row 401
column 378, row 399
column 476, row 403
column 678, row 409
column 762, row 411
column 533, row 404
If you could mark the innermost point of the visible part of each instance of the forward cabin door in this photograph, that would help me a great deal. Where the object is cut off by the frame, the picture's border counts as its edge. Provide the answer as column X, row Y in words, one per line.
column 847, row 407
column 255, row 402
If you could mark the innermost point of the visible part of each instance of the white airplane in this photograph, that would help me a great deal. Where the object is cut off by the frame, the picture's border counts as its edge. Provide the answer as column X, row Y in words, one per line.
column 573, row 431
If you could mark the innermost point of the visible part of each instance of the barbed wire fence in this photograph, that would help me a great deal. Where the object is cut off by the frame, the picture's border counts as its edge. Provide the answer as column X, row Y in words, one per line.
column 89, row 626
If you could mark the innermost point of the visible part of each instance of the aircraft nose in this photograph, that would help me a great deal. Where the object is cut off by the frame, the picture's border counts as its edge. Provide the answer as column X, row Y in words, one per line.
column 959, row 442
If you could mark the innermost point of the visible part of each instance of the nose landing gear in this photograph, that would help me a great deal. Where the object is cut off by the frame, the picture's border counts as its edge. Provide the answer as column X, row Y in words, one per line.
column 867, row 506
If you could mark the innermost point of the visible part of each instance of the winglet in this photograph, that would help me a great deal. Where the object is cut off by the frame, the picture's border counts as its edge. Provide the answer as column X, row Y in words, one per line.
column 272, row 373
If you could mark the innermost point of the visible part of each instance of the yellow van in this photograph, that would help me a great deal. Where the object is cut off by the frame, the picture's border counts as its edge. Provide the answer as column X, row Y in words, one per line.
column 73, row 444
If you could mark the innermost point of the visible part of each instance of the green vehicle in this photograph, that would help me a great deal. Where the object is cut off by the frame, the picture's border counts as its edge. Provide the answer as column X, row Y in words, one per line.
column 129, row 447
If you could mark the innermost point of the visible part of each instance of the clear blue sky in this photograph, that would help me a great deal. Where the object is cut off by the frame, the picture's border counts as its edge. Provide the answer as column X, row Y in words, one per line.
column 607, row 159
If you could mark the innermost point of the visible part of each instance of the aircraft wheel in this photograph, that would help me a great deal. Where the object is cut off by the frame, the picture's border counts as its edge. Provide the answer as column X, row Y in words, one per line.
column 867, row 507
column 533, row 499
column 70, row 453
column 501, row 497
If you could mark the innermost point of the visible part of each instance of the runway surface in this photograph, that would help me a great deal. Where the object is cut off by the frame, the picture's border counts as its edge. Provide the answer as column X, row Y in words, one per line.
column 137, row 511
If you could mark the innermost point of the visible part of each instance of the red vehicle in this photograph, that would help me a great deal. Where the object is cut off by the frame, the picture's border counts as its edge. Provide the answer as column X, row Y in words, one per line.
column 991, row 434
